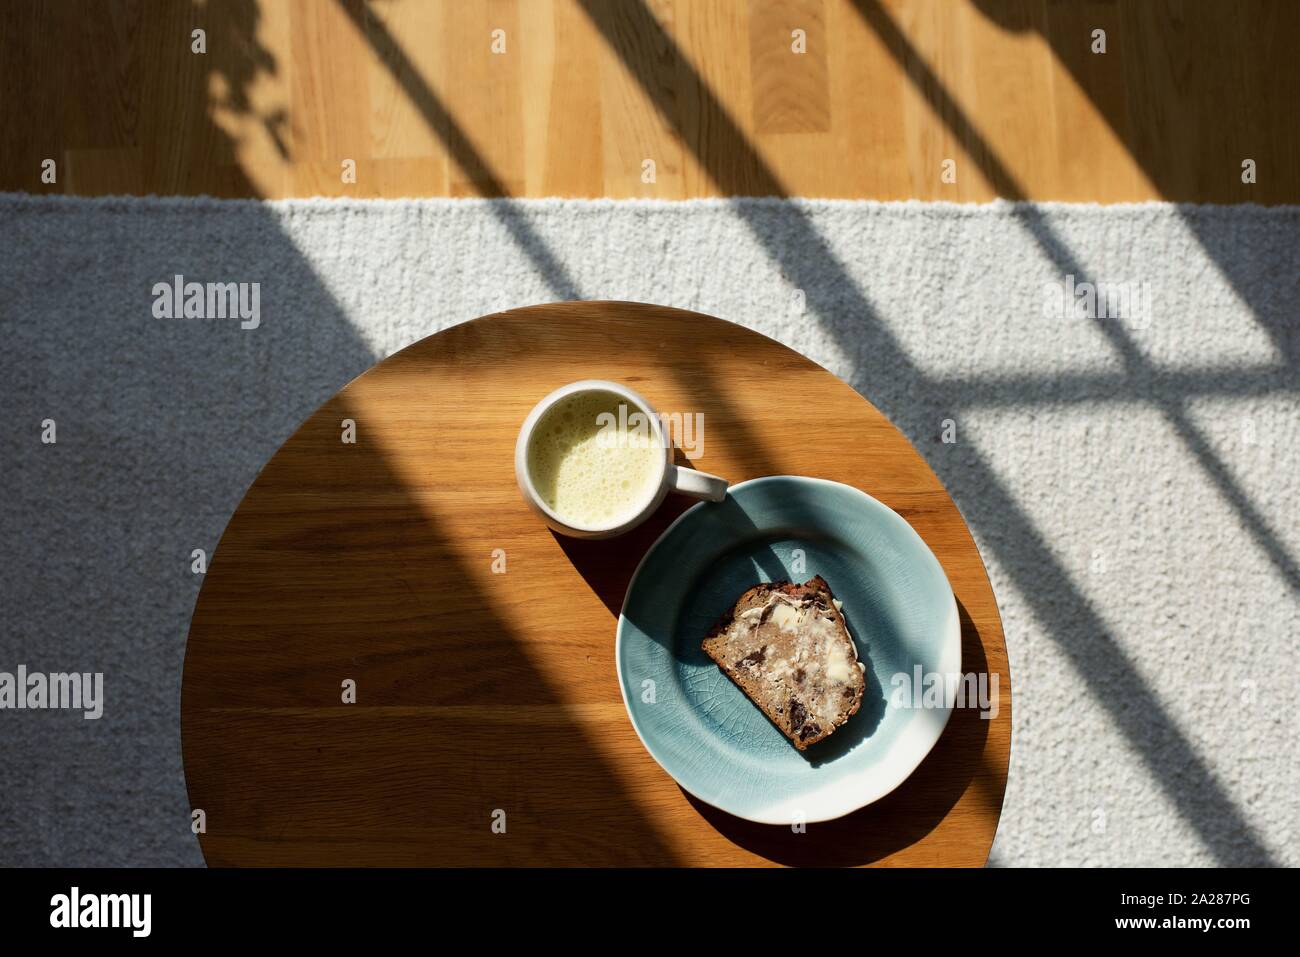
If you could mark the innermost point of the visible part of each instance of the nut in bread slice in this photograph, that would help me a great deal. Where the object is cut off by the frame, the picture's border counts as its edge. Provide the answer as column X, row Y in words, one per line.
column 787, row 647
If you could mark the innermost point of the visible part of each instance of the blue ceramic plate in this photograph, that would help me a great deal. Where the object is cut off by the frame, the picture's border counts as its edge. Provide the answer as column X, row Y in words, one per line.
column 703, row 730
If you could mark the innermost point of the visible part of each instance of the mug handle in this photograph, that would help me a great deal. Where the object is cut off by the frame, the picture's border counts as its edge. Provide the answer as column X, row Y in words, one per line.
column 696, row 484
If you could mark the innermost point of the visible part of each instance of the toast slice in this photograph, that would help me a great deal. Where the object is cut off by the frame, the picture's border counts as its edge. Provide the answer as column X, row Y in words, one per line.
column 787, row 647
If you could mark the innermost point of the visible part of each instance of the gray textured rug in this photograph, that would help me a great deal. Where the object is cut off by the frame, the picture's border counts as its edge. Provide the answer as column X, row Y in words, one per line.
column 1130, row 472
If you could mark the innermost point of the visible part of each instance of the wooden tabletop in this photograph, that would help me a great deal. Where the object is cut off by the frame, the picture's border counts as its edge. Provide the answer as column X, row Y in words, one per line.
column 482, row 646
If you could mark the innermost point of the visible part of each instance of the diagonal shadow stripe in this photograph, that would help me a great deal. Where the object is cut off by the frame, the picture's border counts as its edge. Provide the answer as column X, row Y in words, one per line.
column 804, row 256
column 1139, row 369
column 440, row 121
column 1166, row 34
column 431, row 107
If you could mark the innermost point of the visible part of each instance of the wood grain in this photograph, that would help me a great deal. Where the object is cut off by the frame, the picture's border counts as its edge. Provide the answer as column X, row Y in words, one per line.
column 479, row 691
column 587, row 90
column 789, row 83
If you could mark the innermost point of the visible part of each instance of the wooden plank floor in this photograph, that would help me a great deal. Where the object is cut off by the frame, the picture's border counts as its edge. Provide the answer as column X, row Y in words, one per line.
column 579, row 96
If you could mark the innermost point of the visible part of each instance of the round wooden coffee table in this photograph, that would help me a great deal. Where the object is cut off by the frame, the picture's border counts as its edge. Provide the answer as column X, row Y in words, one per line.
column 393, row 662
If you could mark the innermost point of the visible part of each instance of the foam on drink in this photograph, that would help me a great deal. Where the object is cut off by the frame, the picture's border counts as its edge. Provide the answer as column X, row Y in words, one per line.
column 593, row 471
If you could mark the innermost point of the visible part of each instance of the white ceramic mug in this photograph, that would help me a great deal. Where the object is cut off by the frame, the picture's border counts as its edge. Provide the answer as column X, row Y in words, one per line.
column 672, row 478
